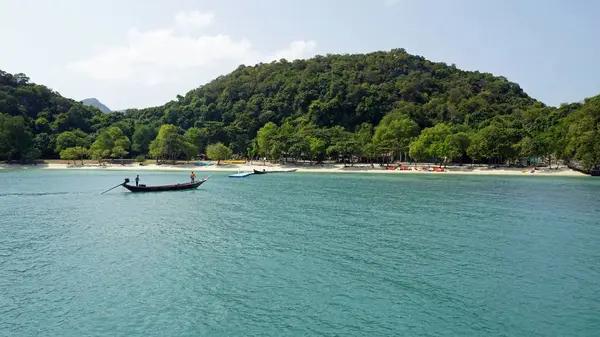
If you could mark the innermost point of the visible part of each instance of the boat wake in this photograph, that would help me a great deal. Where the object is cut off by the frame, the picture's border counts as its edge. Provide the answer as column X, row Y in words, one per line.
column 9, row 194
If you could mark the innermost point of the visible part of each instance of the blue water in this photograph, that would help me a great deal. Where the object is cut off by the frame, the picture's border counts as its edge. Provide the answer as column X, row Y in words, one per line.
column 299, row 255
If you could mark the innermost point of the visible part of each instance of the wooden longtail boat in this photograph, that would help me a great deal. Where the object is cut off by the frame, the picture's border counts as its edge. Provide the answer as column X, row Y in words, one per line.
column 161, row 188
column 278, row 171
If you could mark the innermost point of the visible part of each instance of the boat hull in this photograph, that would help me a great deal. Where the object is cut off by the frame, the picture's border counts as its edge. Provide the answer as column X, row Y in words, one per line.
column 164, row 188
column 240, row 175
column 279, row 171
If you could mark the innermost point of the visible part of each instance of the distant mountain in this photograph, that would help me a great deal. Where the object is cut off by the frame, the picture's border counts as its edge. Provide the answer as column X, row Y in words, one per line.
column 96, row 103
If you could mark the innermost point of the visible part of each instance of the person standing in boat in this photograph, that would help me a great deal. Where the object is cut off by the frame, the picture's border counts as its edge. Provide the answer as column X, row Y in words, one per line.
column 192, row 177
column 137, row 180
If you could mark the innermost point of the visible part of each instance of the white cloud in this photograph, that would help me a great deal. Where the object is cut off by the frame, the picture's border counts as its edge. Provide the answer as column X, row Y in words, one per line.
column 296, row 50
column 156, row 56
column 194, row 19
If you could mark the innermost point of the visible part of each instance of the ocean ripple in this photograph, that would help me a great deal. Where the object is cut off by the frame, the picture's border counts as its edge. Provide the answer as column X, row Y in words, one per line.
column 300, row 254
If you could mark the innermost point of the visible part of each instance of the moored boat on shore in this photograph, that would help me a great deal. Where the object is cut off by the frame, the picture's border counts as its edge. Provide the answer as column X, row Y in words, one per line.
column 240, row 174
column 274, row 171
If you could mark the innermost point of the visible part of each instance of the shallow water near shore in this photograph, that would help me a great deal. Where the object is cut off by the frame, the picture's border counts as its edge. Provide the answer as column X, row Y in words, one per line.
column 299, row 254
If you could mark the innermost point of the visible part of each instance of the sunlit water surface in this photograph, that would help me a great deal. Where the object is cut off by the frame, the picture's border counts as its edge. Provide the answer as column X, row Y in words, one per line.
column 299, row 254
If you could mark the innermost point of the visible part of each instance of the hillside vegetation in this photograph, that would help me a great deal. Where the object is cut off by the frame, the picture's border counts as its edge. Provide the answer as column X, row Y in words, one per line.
column 32, row 117
column 366, row 106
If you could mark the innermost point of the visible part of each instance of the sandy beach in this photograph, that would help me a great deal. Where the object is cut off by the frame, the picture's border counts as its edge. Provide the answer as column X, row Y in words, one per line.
column 328, row 168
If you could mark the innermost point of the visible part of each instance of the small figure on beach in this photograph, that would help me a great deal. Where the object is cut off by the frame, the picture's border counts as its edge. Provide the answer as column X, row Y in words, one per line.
column 192, row 176
column 137, row 180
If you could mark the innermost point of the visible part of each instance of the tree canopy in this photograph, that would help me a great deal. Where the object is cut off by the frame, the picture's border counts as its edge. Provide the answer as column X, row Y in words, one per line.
column 218, row 152
column 367, row 106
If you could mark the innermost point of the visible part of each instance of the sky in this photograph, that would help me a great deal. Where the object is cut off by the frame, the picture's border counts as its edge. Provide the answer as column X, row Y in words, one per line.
column 141, row 53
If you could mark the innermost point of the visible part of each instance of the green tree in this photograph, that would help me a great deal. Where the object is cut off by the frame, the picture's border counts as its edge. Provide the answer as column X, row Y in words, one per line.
column 74, row 153
column 497, row 142
column 32, row 155
column 300, row 147
column 190, row 150
column 195, row 137
column 168, row 144
column 345, row 145
column 111, row 143
column 370, row 152
column 142, row 137
column 276, row 150
column 317, row 148
column 118, row 152
column 16, row 139
column 253, row 150
column 44, row 143
column 364, row 141
column 42, row 125
column 395, row 133
column 478, row 148
column 583, row 135
column 4, row 137
column 419, row 149
column 218, row 152
column 456, row 145
column 286, row 137
column 71, row 139
column 527, row 147
column 432, row 144
column 265, row 138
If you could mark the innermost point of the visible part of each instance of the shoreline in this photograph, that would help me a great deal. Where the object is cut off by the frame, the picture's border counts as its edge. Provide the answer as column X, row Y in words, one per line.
column 332, row 169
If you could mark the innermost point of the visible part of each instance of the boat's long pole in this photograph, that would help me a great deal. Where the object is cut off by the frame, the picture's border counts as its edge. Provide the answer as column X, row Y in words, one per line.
column 111, row 189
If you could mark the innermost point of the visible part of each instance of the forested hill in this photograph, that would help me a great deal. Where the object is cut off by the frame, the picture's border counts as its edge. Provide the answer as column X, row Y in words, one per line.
column 32, row 115
column 344, row 90
column 334, row 106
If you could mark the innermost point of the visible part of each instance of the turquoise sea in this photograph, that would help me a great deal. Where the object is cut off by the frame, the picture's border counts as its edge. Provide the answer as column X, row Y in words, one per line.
column 299, row 255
